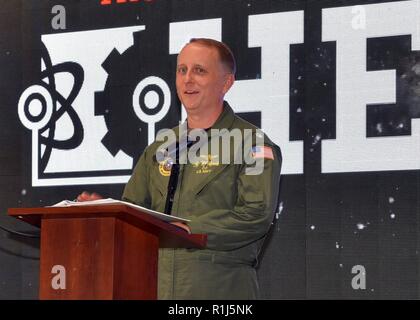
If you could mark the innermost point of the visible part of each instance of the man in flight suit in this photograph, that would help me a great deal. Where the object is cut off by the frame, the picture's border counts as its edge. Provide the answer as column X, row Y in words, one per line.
column 229, row 202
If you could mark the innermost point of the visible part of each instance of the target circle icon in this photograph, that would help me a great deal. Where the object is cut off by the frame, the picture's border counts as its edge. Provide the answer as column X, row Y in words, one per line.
column 151, row 99
column 35, row 107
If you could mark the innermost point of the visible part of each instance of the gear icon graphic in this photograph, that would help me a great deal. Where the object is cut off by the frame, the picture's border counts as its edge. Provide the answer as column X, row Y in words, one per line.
column 139, row 97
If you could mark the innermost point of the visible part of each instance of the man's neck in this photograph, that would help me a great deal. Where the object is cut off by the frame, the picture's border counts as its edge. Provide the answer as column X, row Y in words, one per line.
column 204, row 121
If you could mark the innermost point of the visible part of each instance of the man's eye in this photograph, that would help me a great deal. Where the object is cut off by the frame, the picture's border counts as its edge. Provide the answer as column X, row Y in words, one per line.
column 182, row 70
column 199, row 70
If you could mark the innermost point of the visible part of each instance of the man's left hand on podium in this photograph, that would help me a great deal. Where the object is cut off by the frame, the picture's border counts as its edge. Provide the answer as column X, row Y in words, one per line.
column 182, row 225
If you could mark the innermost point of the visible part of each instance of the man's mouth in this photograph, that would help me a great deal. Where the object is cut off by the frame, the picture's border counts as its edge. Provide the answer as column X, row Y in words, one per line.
column 190, row 92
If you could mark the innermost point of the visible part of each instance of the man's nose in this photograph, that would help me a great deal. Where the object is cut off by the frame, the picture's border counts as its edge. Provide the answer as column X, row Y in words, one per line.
column 188, row 77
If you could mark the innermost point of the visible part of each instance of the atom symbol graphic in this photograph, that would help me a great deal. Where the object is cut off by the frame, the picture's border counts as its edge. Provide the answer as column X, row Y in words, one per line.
column 41, row 106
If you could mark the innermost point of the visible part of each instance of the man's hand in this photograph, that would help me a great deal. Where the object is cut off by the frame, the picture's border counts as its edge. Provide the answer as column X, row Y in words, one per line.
column 86, row 196
column 182, row 225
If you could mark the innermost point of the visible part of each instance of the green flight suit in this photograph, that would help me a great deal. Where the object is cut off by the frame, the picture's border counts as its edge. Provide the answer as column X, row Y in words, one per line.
column 233, row 208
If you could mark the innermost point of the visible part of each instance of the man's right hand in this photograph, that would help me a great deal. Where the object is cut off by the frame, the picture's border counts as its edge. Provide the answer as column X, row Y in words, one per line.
column 86, row 196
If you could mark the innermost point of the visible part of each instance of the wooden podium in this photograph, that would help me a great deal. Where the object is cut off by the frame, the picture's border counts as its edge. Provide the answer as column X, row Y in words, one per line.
column 101, row 252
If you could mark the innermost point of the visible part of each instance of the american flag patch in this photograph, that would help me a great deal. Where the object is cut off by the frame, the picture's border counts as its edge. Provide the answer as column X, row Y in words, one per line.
column 262, row 152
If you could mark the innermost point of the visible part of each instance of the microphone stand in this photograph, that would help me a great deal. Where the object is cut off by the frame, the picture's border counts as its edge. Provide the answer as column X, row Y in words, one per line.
column 173, row 179
column 172, row 184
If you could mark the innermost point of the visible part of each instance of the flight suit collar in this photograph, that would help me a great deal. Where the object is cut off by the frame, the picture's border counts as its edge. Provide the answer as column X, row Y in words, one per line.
column 225, row 120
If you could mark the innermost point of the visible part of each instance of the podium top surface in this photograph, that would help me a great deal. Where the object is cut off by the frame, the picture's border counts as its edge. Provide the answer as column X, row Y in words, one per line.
column 170, row 236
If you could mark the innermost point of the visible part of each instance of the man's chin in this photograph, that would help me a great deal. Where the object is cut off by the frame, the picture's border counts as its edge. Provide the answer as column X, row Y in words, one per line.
column 190, row 106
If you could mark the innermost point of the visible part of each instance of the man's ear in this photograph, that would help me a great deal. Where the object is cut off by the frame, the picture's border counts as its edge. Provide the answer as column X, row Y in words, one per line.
column 229, row 81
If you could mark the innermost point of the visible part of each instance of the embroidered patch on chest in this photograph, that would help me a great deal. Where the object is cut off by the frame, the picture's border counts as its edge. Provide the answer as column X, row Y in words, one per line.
column 165, row 167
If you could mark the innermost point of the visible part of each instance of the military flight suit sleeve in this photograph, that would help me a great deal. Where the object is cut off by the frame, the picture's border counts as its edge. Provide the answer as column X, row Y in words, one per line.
column 253, row 213
column 137, row 189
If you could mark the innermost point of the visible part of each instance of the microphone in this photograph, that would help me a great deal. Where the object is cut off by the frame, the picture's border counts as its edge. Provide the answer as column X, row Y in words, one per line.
column 173, row 151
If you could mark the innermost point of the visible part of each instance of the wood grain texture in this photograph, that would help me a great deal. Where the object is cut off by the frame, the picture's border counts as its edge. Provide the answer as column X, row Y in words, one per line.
column 108, row 252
